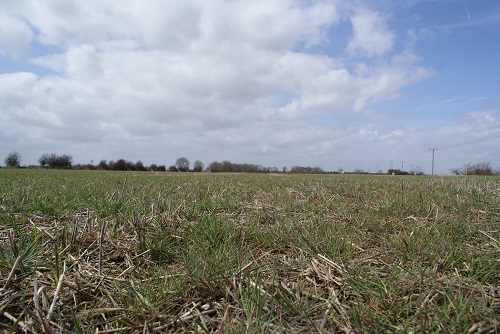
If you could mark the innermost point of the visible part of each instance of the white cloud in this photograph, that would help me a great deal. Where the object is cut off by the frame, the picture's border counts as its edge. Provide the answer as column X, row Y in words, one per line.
column 484, row 120
column 371, row 34
column 15, row 36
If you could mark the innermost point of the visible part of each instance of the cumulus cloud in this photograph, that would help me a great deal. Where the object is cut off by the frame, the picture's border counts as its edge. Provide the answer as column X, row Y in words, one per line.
column 371, row 34
column 15, row 36
column 235, row 80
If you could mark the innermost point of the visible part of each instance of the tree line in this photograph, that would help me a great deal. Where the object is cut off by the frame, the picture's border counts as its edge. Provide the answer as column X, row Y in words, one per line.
column 182, row 164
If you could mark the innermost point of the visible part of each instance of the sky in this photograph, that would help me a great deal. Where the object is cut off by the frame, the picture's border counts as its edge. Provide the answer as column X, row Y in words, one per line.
column 279, row 83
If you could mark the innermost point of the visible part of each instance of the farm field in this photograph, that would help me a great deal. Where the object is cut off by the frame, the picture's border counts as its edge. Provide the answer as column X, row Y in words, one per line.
column 117, row 252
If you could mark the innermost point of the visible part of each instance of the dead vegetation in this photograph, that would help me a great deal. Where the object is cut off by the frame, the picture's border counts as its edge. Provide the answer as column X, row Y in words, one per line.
column 258, row 254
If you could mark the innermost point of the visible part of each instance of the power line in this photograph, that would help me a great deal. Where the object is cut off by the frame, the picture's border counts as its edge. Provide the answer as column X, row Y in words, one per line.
column 478, row 140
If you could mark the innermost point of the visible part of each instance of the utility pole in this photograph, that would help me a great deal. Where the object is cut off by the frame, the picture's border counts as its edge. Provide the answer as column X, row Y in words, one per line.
column 433, row 150
column 402, row 169
column 411, row 170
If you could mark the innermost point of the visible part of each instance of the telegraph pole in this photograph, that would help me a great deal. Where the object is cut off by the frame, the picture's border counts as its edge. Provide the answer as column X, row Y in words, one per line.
column 402, row 163
column 433, row 150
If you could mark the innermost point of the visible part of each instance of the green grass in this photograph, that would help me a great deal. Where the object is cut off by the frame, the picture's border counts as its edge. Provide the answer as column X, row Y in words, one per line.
column 245, row 253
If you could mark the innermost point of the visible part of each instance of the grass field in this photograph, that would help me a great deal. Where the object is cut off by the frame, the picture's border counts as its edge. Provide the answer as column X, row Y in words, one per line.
column 112, row 252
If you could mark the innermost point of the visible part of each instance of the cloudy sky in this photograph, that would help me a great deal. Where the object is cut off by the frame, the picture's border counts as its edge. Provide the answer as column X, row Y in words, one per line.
column 351, row 84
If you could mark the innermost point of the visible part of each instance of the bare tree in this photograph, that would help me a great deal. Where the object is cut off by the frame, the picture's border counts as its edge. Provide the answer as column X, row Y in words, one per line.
column 182, row 164
column 13, row 159
column 198, row 166
column 480, row 168
column 54, row 161
column 44, row 160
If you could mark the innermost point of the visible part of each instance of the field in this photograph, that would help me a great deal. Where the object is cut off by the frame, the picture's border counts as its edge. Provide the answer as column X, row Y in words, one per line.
column 113, row 252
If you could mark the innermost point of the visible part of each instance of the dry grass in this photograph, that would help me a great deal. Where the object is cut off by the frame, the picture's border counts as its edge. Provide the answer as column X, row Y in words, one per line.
column 122, row 253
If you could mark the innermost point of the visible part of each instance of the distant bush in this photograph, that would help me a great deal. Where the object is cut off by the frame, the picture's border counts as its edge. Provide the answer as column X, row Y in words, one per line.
column 229, row 167
column 139, row 166
column 306, row 170
column 84, row 167
column 103, row 165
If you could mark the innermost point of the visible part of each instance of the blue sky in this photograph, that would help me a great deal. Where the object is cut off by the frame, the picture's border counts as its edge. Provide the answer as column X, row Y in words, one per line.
column 335, row 84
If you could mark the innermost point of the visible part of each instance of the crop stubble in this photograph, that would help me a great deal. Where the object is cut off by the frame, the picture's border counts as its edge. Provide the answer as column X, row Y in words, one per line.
column 113, row 252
